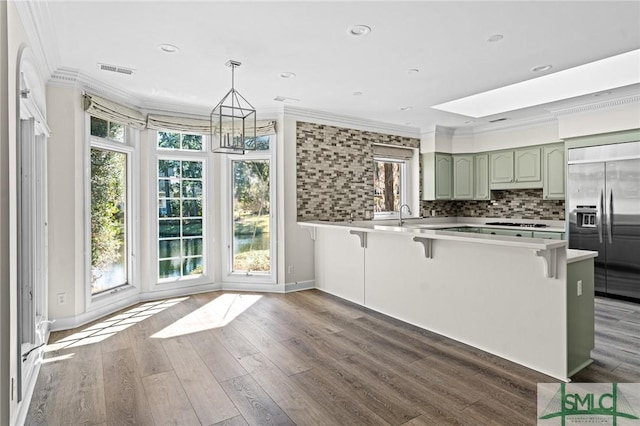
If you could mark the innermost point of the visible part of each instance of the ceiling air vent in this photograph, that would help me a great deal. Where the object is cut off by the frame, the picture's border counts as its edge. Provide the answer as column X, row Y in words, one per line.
column 115, row 68
column 497, row 119
column 285, row 99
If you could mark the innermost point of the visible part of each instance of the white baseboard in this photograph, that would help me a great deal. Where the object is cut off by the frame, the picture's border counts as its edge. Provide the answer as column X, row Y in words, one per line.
column 299, row 286
column 74, row 321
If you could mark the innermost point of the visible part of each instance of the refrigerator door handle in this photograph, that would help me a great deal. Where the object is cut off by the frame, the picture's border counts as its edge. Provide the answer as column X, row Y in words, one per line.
column 600, row 223
column 610, row 217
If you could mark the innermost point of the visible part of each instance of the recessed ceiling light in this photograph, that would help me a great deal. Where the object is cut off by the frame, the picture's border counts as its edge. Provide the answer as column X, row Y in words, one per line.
column 413, row 71
column 287, row 74
column 602, row 94
column 359, row 30
column 357, row 93
column 599, row 76
column 495, row 37
column 406, row 108
column 469, row 121
column 168, row 48
column 541, row 68
column 409, row 123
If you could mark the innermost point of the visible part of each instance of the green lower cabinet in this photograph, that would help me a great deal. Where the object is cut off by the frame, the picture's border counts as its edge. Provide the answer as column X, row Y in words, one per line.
column 548, row 235
column 508, row 232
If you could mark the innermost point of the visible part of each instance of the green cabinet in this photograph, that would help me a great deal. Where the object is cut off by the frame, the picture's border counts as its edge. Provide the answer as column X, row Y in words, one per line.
column 546, row 235
column 527, row 165
column 501, row 167
column 554, row 172
column 463, row 177
column 508, row 232
column 481, row 177
column 437, row 176
column 518, row 168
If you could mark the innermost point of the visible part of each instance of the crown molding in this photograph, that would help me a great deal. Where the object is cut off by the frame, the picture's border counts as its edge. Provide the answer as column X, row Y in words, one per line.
column 351, row 122
column 519, row 124
column 624, row 99
column 37, row 23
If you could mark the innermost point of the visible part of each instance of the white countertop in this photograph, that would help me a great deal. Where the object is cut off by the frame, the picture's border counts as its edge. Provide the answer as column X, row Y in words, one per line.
column 432, row 230
column 574, row 255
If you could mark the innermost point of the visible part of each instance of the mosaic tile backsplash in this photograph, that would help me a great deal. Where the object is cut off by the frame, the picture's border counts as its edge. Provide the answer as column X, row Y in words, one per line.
column 335, row 180
column 335, row 170
column 511, row 204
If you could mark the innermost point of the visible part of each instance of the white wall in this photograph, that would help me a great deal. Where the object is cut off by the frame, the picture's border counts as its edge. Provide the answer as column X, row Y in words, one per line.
column 298, row 245
column 66, row 202
column 592, row 122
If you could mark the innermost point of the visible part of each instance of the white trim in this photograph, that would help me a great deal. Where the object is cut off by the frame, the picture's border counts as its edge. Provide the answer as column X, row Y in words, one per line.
column 227, row 220
column 604, row 104
column 38, row 26
column 208, row 226
column 81, row 319
column 299, row 286
column 350, row 122
column 130, row 148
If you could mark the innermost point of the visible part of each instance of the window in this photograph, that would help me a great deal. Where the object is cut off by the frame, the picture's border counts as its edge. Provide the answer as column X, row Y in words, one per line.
column 110, row 211
column 180, row 206
column 107, row 129
column 389, row 184
column 250, row 223
column 251, row 216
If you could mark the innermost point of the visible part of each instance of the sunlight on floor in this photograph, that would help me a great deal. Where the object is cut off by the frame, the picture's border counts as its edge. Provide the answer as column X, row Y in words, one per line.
column 217, row 313
column 99, row 332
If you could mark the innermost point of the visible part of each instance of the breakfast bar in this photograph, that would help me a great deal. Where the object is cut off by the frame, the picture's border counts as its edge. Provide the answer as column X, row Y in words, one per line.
column 528, row 300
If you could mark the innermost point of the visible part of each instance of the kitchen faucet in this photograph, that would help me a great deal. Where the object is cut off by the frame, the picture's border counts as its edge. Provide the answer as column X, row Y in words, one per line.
column 408, row 211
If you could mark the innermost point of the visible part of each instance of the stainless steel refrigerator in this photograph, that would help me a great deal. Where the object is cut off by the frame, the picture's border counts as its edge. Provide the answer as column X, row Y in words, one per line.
column 604, row 213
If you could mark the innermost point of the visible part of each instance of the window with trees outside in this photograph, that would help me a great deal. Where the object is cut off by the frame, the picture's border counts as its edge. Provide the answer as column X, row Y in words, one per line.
column 251, row 211
column 109, row 207
column 389, row 183
column 181, row 207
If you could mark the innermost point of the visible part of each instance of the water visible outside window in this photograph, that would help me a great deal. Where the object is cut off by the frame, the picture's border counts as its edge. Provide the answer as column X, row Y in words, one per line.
column 251, row 236
column 108, row 219
column 180, row 213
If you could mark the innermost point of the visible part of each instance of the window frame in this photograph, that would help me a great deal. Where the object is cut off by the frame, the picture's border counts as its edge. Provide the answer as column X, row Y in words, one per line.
column 130, row 148
column 228, row 274
column 208, row 229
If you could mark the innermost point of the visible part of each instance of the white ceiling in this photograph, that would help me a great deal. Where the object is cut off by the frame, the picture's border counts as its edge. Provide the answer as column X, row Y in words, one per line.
column 446, row 41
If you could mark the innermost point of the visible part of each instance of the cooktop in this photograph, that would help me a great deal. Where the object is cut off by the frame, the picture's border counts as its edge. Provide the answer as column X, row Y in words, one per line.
column 519, row 225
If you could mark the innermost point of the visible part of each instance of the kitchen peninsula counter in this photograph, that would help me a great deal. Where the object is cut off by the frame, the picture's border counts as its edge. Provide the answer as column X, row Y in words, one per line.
column 510, row 296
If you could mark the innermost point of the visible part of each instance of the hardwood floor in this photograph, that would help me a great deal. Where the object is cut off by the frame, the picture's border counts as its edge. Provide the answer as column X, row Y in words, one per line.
column 301, row 358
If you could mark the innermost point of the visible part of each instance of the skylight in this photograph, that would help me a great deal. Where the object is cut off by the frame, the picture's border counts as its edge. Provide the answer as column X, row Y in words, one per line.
column 606, row 74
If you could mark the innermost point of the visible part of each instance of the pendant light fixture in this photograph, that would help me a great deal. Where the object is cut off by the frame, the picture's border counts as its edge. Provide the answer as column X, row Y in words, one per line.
column 233, row 121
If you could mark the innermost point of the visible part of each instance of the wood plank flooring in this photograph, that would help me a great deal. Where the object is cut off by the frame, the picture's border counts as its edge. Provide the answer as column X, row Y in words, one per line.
column 303, row 358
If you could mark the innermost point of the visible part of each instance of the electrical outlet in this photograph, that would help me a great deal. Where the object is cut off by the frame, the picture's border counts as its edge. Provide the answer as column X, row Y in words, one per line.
column 62, row 298
column 579, row 287
column 433, row 212
column 290, row 269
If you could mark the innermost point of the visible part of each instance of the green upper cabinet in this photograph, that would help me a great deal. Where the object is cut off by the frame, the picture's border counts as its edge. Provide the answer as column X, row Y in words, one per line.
column 463, row 177
column 516, row 169
column 437, row 175
column 527, row 165
column 501, row 167
column 481, row 177
column 554, row 166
